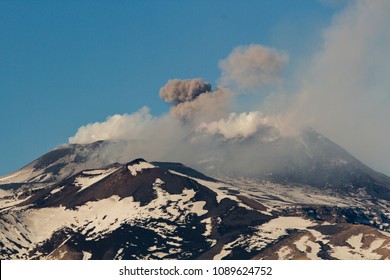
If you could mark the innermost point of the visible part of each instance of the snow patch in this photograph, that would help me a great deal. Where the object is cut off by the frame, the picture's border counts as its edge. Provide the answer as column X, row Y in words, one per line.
column 281, row 224
column 135, row 168
column 225, row 251
column 216, row 187
column 355, row 241
column 86, row 255
column 19, row 176
column 356, row 251
column 118, row 255
column 198, row 207
column 4, row 193
column 208, row 225
column 310, row 248
column 57, row 190
column 284, row 252
column 88, row 178
column 270, row 232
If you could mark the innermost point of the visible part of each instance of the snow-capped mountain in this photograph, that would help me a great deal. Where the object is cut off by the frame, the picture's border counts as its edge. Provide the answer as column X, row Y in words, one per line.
column 136, row 210
column 316, row 202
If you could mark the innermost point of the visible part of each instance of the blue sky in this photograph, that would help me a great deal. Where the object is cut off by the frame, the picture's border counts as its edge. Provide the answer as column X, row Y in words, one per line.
column 64, row 64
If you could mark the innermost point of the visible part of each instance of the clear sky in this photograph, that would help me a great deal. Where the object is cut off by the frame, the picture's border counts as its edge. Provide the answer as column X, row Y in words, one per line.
column 64, row 64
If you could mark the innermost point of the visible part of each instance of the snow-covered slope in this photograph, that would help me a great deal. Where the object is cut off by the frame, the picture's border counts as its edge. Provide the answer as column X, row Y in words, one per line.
column 142, row 210
column 56, row 165
column 66, row 161
column 156, row 212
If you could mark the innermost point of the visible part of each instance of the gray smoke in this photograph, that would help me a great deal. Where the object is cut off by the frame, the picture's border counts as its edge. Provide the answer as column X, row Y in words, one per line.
column 252, row 66
column 178, row 91
column 207, row 106
column 192, row 100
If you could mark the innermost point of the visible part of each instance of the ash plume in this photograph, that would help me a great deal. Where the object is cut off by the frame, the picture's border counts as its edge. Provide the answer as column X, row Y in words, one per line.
column 206, row 106
column 178, row 91
column 193, row 100
column 343, row 92
column 252, row 66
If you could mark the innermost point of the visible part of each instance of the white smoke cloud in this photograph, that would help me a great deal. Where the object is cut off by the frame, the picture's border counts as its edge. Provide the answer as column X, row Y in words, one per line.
column 116, row 127
column 136, row 135
column 237, row 126
column 252, row 66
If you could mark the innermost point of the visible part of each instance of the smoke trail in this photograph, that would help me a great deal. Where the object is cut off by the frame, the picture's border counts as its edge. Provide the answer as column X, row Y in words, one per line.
column 345, row 93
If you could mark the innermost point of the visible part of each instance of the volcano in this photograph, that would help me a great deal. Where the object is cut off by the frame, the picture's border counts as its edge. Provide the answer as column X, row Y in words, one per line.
column 308, row 199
